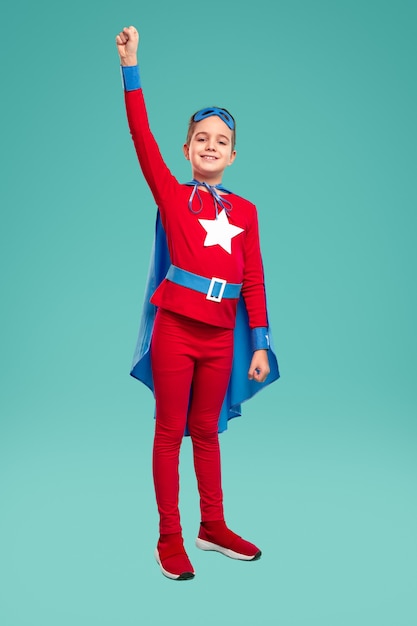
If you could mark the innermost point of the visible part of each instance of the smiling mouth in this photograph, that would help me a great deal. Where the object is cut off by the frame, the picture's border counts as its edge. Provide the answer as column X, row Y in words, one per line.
column 208, row 157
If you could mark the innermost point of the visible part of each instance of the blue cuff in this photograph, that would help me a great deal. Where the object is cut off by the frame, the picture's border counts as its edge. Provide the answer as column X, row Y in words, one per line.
column 260, row 338
column 130, row 77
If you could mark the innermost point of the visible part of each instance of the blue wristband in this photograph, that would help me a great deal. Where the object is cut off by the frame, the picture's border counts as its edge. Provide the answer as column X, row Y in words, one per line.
column 130, row 77
column 260, row 338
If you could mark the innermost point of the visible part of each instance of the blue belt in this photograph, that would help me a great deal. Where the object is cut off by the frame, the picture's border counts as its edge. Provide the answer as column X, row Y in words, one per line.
column 214, row 288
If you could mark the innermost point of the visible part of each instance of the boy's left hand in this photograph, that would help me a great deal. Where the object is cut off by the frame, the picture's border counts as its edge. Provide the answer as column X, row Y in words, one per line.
column 259, row 367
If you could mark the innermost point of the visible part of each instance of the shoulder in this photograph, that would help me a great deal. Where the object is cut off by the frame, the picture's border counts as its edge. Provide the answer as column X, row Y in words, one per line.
column 245, row 207
column 244, row 203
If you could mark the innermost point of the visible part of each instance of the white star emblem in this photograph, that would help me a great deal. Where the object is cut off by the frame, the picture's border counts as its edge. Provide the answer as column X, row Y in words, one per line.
column 220, row 232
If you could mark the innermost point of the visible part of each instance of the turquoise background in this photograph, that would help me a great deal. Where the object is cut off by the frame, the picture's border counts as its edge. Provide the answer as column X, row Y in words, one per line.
column 321, row 469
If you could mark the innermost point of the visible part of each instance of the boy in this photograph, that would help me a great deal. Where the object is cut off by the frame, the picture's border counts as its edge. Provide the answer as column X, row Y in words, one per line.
column 212, row 242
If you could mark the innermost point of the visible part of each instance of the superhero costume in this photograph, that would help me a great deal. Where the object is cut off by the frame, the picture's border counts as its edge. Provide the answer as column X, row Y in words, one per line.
column 178, row 226
column 206, row 252
column 240, row 387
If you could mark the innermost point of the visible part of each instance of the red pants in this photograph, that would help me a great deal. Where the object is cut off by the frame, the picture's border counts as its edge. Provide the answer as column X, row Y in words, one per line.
column 191, row 364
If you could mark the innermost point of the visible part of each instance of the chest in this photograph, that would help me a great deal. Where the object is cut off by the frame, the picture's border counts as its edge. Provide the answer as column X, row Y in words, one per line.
column 205, row 227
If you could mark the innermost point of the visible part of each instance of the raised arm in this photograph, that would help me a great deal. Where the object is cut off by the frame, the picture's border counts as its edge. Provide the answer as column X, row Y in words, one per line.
column 159, row 178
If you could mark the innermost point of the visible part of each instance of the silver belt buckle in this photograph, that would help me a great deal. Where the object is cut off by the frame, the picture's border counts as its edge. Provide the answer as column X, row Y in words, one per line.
column 213, row 282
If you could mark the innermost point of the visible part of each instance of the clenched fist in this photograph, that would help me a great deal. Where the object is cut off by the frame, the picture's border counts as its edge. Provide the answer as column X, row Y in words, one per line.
column 259, row 367
column 127, row 45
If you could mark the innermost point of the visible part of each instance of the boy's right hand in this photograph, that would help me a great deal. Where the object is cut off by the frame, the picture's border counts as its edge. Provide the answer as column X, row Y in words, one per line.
column 127, row 45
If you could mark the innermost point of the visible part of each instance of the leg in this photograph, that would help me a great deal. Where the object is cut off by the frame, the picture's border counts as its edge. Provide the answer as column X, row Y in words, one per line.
column 172, row 369
column 211, row 377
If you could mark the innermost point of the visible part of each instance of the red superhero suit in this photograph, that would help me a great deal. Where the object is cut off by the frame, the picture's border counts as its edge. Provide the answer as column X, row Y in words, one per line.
column 192, row 338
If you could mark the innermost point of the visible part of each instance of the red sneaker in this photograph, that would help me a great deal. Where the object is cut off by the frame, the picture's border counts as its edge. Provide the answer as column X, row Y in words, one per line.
column 172, row 558
column 216, row 536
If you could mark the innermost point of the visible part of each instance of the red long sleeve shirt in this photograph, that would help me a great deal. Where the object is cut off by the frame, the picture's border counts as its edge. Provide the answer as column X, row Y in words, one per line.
column 186, row 236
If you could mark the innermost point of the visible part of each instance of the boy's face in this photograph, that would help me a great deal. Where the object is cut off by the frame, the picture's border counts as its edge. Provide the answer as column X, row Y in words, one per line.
column 210, row 149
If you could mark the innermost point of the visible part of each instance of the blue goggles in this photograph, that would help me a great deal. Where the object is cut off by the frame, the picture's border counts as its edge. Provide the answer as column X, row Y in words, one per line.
column 222, row 113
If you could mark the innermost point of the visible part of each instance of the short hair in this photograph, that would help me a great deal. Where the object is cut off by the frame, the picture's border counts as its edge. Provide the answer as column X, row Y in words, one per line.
column 192, row 123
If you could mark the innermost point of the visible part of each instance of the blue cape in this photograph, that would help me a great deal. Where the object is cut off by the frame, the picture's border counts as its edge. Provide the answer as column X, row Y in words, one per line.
column 240, row 387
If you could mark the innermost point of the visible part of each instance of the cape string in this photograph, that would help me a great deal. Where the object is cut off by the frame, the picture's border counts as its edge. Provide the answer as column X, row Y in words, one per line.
column 219, row 201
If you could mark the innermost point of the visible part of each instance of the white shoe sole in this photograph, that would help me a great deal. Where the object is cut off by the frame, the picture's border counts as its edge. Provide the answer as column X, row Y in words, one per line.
column 183, row 576
column 207, row 545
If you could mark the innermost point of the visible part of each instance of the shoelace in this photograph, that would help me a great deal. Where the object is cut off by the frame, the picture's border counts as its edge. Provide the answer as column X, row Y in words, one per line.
column 219, row 201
